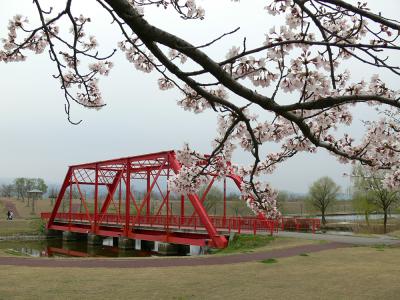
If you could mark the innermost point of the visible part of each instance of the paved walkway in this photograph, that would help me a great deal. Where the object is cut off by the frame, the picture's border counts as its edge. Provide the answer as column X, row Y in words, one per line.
column 343, row 238
column 168, row 262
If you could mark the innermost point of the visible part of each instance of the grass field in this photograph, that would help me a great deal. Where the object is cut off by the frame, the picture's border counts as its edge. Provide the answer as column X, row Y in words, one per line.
column 26, row 222
column 249, row 243
column 348, row 273
column 19, row 227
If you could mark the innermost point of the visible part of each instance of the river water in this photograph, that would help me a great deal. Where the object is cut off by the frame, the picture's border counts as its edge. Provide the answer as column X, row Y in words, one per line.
column 354, row 217
column 60, row 248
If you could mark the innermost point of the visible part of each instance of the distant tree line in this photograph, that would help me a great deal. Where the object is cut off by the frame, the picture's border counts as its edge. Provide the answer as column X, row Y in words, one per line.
column 21, row 186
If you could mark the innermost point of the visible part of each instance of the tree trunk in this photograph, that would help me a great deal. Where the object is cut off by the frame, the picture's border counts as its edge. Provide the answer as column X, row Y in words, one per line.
column 385, row 221
column 323, row 217
column 33, row 205
column 367, row 218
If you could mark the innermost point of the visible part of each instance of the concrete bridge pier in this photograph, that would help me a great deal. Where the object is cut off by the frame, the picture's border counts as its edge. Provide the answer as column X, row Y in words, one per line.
column 125, row 243
column 94, row 240
column 138, row 244
column 198, row 250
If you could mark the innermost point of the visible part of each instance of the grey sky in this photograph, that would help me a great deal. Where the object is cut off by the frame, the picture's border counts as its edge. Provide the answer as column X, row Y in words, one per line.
column 37, row 140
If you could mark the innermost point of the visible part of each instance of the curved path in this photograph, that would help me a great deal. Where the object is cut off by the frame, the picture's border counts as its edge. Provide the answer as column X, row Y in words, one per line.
column 168, row 262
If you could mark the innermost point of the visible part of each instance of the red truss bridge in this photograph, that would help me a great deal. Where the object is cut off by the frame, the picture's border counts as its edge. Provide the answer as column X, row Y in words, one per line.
column 104, row 192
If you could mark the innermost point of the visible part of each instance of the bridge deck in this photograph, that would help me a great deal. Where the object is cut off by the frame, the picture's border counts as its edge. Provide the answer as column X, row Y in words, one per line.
column 113, row 224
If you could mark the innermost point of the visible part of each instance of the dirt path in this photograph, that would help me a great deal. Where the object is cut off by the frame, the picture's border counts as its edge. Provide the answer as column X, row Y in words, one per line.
column 8, row 205
column 167, row 262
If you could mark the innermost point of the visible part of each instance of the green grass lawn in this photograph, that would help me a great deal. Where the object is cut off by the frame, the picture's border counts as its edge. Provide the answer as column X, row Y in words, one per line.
column 347, row 273
column 20, row 227
column 246, row 242
column 254, row 243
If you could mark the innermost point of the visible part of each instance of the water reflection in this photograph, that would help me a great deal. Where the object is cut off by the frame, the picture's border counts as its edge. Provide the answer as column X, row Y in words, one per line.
column 60, row 248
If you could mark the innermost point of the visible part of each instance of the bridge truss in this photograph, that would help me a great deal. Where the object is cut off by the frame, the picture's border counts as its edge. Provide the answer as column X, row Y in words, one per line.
column 104, row 192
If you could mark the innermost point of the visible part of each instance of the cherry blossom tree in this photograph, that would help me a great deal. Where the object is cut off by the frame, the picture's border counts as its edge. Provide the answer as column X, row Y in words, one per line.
column 298, row 78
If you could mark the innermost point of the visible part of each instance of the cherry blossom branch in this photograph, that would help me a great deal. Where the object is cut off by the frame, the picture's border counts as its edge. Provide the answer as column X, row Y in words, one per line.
column 300, row 59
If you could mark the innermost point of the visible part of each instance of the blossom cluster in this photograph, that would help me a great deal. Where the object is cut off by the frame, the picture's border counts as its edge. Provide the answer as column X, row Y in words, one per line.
column 190, row 177
column 264, row 202
column 188, row 9
column 84, row 84
column 142, row 61
column 13, row 47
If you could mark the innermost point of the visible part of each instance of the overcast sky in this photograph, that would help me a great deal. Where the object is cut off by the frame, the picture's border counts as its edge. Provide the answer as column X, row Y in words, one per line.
column 38, row 141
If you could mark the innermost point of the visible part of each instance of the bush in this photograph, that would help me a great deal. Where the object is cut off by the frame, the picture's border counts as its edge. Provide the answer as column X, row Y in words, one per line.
column 40, row 225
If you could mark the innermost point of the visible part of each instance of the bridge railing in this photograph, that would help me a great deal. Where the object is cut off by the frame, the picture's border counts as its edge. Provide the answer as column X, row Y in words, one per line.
column 300, row 224
column 237, row 224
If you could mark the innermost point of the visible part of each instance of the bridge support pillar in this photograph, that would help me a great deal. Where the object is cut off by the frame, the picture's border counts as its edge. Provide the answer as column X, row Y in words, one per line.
column 138, row 244
column 198, row 250
column 126, row 243
column 172, row 249
column 94, row 240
